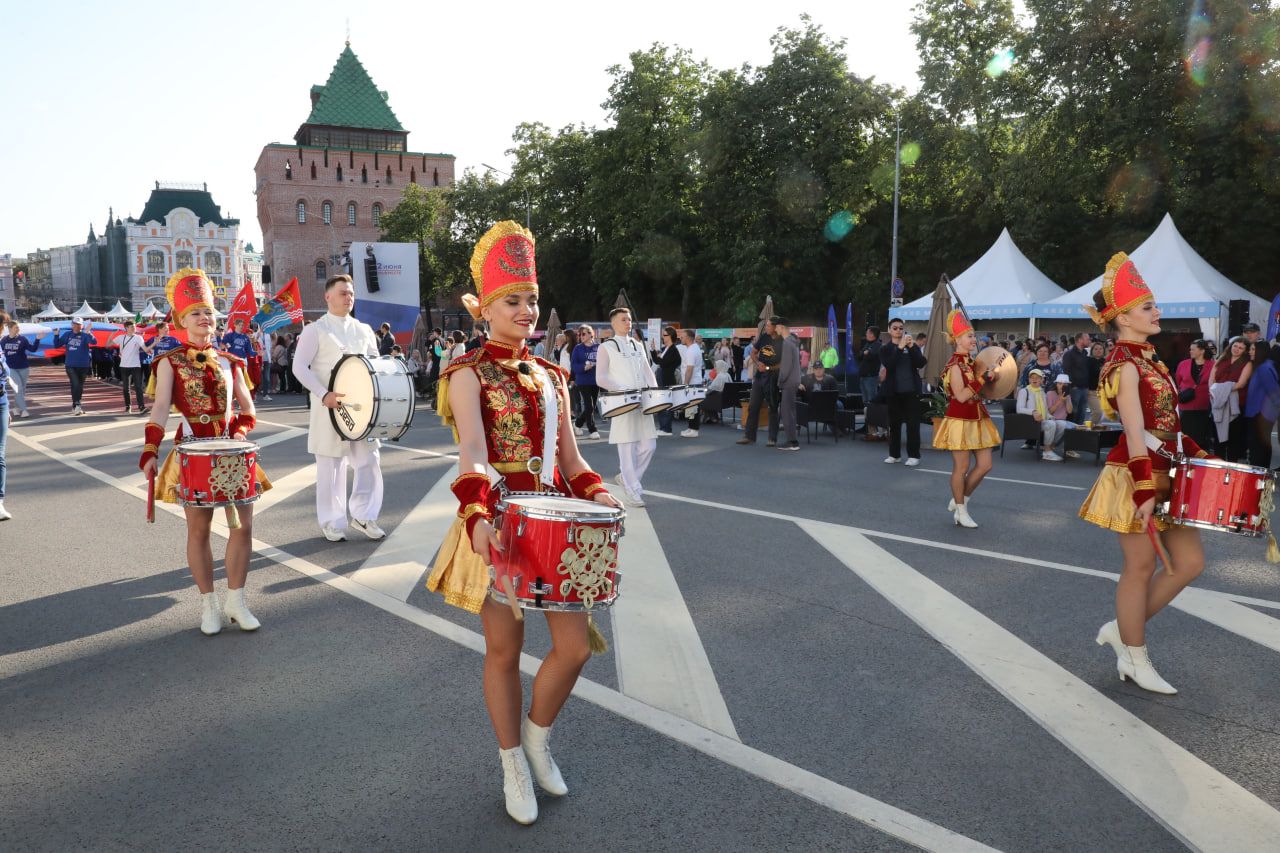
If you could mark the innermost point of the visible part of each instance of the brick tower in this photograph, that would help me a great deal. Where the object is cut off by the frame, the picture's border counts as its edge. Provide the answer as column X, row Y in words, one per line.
column 348, row 165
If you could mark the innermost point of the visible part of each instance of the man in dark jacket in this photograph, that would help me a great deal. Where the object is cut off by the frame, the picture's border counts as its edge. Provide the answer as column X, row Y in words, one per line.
column 869, row 377
column 901, row 361
column 766, row 353
column 1075, row 363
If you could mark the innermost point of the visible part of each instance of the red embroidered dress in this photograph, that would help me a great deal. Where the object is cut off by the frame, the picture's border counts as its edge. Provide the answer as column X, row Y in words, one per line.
column 967, row 425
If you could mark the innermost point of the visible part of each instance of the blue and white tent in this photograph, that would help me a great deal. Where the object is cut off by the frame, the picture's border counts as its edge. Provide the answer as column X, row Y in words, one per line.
column 1184, row 284
column 1000, row 284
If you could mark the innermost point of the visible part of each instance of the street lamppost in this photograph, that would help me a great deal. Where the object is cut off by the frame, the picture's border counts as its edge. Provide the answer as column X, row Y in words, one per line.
column 528, row 215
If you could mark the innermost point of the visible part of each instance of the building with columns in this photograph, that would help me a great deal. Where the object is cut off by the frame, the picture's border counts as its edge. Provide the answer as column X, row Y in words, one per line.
column 348, row 165
column 181, row 226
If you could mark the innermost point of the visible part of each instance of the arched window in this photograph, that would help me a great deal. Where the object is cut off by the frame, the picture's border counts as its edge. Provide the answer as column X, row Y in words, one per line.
column 213, row 263
column 288, row 171
column 388, row 174
column 435, row 177
column 155, row 268
column 351, row 213
column 183, row 260
column 377, row 214
column 321, row 272
column 364, row 175
column 326, row 212
column 413, row 175
column 339, row 173
column 313, row 170
column 302, row 212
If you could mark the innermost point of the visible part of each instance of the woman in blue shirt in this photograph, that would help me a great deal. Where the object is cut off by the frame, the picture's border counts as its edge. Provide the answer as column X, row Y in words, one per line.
column 15, row 348
column 77, row 344
column 583, row 361
column 1263, row 403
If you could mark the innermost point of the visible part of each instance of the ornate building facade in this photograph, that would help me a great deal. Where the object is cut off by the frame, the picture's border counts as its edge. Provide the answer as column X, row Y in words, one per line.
column 348, row 165
column 8, row 294
column 181, row 226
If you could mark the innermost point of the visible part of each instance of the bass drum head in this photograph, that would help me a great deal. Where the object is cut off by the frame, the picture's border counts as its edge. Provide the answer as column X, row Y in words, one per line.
column 353, row 379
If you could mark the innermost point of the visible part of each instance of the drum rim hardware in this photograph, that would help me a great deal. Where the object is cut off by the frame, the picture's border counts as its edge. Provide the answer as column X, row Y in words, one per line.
column 375, row 416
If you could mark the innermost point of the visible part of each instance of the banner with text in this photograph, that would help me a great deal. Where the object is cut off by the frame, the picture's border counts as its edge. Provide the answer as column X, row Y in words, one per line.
column 386, row 281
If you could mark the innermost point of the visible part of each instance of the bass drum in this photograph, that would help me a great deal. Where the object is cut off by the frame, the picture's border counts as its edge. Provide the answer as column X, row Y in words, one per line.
column 377, row 397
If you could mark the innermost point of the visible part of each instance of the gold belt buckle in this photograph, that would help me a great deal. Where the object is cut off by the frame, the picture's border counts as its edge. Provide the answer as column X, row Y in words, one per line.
column 534, row 465
column 204, row 419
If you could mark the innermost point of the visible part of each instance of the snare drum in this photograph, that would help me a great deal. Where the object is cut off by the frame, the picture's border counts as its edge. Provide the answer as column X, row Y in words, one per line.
column 1217, row 495
column 217, row 472
column 697, row 393
column 561, row 553
column 614, row 403
column 654, row 400
column 377, row 399
column 679, row 396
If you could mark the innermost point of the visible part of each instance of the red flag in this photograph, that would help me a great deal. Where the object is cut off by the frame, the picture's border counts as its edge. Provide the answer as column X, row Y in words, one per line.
column 290, row 298
column 244, row 307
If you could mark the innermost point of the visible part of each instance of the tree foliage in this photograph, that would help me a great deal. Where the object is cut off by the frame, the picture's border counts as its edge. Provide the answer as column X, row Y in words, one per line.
column 1077, row 127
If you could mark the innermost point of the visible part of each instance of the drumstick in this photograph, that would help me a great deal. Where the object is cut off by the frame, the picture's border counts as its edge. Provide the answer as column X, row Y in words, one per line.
column 510, row 590
column 151, row 498
column 355, row 407
column 1158, row 544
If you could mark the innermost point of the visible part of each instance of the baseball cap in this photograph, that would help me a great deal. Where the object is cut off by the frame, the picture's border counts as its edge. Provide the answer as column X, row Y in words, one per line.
column 1251, row 327
column 1035, row 371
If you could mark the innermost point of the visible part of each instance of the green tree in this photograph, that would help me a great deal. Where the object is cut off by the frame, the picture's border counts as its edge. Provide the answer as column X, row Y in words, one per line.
column 424, row 216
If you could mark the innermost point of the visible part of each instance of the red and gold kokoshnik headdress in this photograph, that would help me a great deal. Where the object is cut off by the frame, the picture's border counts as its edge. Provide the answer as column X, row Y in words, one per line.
column 1122, row 289
column 188, row 289
column 502, row 263
column 957, row 324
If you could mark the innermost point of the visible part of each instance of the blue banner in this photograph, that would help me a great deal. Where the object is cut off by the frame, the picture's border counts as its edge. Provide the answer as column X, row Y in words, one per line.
column 833, row 339
column 1273, row 320
column 848, row 338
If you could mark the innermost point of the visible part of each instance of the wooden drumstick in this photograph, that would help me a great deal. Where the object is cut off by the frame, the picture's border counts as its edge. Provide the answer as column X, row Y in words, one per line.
column 1158, row 544
column 510, row 590
column 151, row 498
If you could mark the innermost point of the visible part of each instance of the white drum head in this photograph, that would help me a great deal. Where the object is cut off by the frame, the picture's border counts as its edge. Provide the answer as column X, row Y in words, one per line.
column 353, row 379
column 216, row 446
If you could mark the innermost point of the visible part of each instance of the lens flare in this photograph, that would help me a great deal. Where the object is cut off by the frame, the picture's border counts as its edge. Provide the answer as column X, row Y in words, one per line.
column 1000, row 63
column 910, row 153
column 1198, row 62
column 1197, row 46
column 839, row 226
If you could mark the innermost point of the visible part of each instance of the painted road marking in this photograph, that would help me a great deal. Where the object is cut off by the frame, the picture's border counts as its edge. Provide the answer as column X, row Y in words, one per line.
column 660, row 657
column 395, row 568
column 1010, row 480
column 1194, row 801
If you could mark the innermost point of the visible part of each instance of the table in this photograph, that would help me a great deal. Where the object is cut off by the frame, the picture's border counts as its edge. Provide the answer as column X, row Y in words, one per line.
column 1092, row 441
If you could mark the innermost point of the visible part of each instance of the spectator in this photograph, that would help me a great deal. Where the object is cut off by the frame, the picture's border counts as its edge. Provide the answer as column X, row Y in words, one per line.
column 668, row 363
column 1075, row 363
column 829, row 357
column 6, row 382
column 1251, row 332
column 691, row 365
column 1235, row 368
column 900, row 364
column 265, row 353
column 804, row 356
column 477, row 338
column 163, row 341
column 869, row 377
column 1096, row 350
column 1192, row 379
column 583, row 361
column 739, row 358
column 818, row 379
column 723, row 352
column 1042, row 362
column 456, row 347
column 1033, row 401
column 385, row 339
column 131, row 349
column 280, row 360
column 15, row 348
column 77, row 343
column 788, row 383
column 1263, row 402
column 762, row 363
column 1061, row 408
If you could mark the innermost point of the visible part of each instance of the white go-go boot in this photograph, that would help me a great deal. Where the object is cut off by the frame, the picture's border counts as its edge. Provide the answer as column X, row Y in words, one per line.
column 210, row 614
column 517, row 786
column 536, row 742
column 238, row 612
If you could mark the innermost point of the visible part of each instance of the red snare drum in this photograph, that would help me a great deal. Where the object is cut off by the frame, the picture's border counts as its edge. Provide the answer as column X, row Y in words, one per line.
column 1218, row 495
column 562, row 553
column 217, row 472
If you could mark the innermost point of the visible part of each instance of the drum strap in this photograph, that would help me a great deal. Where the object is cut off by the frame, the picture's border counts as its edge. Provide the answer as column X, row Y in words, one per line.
column 550, row 426
column 1156, row 445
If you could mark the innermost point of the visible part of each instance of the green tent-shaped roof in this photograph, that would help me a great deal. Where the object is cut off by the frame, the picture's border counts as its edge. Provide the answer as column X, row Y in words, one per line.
column 350, row 99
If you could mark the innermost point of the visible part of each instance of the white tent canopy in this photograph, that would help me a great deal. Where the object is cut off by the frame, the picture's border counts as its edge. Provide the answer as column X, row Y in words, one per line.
column 151, row 312
column 50, row 312
column 119, row 312
column 1184, row 284
column 88, row 312
column 1001, row 283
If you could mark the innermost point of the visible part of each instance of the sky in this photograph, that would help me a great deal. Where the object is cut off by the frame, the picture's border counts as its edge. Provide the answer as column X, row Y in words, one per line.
column 104, row 99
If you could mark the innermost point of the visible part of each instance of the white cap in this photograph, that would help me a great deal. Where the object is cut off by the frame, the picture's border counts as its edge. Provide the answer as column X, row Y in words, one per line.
column 1062, row 377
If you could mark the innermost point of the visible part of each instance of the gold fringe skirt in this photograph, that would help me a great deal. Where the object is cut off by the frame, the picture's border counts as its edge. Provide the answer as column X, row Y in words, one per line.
column 167, row 479
column 960, row 434
column 460, row 575
column 1110, row 501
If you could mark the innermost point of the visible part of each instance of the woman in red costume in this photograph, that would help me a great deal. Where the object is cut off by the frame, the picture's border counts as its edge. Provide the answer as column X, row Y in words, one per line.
column 966, row 430
column 200, row 382
column 1138, row 388
column 500, row 400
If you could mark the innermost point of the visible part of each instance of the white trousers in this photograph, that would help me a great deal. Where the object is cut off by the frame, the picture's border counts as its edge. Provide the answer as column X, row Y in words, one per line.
column 633, row 459
column 366, row 488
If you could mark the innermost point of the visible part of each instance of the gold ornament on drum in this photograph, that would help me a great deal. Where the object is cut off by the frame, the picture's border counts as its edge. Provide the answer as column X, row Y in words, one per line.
column 230, row 476
column 587, row 564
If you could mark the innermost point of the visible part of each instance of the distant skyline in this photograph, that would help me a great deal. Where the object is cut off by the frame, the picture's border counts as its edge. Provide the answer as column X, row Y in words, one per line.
column 105, row 100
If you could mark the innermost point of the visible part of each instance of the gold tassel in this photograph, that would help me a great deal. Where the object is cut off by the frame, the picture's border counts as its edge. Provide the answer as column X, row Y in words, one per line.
column 1273, row 552
column 599, row 645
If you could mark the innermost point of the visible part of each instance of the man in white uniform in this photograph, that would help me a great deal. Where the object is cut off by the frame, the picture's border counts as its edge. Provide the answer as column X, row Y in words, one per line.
column 320, row 345
column 623, row 365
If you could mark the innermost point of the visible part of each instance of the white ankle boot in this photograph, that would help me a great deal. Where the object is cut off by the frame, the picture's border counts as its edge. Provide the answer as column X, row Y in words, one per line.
column 962, row 516
column 210, row 614
column 1134, row 664
column 951, row 505
column 517, row 786
column 1109, row 634
column 536, row 742
column 238, row 612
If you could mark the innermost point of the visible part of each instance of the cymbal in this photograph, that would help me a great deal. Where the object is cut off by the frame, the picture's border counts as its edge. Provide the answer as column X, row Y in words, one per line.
column 1005, row 369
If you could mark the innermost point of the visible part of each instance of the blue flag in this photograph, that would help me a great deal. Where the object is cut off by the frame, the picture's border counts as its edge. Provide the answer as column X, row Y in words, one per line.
column 848, row 338
column 833, row 339
column 1273, row 320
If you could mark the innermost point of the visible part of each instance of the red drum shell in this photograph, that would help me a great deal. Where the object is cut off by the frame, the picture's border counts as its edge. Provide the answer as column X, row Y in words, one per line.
column 216, row 472
column 561, row 553
column 1216, row 495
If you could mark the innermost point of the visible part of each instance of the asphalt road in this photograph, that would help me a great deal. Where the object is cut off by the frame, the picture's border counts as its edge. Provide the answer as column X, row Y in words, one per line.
column 814, row 658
